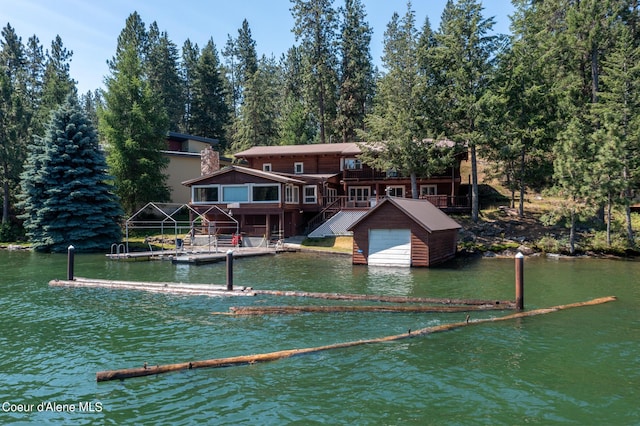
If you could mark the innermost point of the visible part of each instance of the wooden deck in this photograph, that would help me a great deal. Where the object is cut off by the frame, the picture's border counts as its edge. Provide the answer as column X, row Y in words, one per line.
column 197, row 257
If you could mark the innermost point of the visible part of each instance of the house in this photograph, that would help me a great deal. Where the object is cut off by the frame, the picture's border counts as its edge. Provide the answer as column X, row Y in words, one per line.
column 290, row 190
column 404, row 232
column 262, row 203
column 359, row 185
column 185, row 154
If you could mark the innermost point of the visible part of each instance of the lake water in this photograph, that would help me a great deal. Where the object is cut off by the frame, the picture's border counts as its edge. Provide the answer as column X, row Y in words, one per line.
column 579, row 366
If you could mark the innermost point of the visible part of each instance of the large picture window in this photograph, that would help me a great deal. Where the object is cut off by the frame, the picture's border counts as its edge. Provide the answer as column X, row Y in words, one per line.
column 205, row 194
column 235, row 194
column 266, row 193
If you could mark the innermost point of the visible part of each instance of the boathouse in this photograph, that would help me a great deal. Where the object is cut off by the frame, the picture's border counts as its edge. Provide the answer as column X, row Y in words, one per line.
column 404, row 232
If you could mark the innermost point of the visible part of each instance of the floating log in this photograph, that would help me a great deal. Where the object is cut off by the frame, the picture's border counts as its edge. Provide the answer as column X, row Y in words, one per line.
column 156, row 287
column 380, row 298
column 270, row 310
column 272, row 356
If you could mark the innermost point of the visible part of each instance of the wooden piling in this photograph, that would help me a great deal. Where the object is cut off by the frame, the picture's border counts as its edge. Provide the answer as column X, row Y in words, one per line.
column 71, row 250
column 229, row 270
column 102, row 376
column 519, row 281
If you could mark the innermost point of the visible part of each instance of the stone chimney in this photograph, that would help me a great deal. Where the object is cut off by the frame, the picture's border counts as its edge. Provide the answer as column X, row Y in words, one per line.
column 209, row 161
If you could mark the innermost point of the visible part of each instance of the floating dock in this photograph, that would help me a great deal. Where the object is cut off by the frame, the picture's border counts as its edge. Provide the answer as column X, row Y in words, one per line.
column 157, row 287
column 195, row 257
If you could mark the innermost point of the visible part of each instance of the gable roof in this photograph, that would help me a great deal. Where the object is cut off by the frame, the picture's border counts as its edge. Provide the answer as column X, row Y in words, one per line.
column 245, row 170
column 422, row 212
column 347, row 148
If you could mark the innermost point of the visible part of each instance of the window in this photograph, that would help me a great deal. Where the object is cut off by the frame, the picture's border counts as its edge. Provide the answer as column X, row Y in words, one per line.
column 204, row 194
column 265, row 193
column 291, row 194
column 395, row 191
column 332, row 195
column 266, row 167
column 428, row 190
column 235, row 194
column 310, row 194
column 359, row 193
column 352, row 164
column 298, row 168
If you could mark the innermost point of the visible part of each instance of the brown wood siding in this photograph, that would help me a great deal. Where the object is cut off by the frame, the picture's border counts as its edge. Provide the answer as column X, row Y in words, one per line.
column 419, row 247
column 442, row 246
column 286, row 164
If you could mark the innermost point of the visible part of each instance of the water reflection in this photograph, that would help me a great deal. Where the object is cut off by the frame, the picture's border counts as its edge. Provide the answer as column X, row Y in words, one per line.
column 389, row 281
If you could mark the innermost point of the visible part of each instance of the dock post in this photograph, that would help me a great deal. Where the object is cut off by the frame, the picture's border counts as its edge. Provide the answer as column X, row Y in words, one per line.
column 70, row 258
column 519, row 281
column 229, row 270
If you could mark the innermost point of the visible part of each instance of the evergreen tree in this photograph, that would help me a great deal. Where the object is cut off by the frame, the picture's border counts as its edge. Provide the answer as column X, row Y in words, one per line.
column 356, row 71
column 618, row 134
column 67, row 195
column 241, row 65
column 462, row 65
column 190, row 54
column 35, row 64
column 134, row 124
column 14, row 117
column 57, row 82
column 315, row 26
column 521, row 115
column 397, row 119
column 257, row 124
column 295, row 124
column 164, row 76
column 210, row 112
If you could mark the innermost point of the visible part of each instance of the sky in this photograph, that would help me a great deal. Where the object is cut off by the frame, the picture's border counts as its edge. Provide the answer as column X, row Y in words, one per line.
column 90, row 28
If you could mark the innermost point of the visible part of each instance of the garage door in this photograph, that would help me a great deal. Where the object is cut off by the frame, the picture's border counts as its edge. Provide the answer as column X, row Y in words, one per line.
column 390, row 247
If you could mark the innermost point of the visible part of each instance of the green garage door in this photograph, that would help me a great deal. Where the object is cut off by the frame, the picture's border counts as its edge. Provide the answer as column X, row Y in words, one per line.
column 390, row 247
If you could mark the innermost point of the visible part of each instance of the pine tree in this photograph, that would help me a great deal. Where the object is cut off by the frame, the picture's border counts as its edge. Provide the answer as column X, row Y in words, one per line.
column 209, row 112
column 356, row 71
column 259, row 113
column 315, row 26
column 295, row 123
column 164, row 77
column 57, row 82
column 190, row 54
column 397, row 118
column 618, row 113
column 134, row 123
column 462, row 65
column 521, row 109
column 66, row 191
column 15, row 117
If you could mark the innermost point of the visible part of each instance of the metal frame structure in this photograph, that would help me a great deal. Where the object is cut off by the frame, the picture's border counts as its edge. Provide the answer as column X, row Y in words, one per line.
column 166, row 219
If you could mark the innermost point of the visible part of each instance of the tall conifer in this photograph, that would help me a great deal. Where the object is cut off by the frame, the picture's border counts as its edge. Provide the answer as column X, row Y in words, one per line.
column 66, row 190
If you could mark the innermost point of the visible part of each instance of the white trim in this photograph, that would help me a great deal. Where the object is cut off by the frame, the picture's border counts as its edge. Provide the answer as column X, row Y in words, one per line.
column 266, row 167
column 429, row 188
column 314, row 199
column 299, row 164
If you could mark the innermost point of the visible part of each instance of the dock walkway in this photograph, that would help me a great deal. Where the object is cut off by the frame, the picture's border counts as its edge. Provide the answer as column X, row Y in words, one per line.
column 198, row 257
